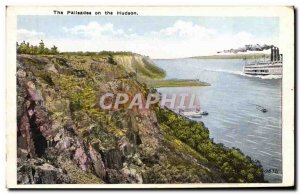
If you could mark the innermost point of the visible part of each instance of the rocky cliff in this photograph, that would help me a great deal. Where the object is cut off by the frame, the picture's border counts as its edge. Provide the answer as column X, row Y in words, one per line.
column 64, row 137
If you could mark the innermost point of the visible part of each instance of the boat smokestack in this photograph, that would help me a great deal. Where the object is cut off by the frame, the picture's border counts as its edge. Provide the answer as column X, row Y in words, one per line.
column 271, row 53
column 277, row 54
column 281, row 57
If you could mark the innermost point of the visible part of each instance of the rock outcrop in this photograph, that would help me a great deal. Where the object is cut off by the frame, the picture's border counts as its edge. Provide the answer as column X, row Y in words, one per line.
column 37, row 171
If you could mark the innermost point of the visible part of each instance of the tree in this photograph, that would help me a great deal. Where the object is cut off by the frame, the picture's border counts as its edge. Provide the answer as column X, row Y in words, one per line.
column 22, row 48
column 53, row 50
column 27, row 48
column 41, row 47
column 46, row 51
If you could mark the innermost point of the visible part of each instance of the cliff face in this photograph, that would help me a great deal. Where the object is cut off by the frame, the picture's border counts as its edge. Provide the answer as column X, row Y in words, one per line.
column 64, row 137
column 141, row 64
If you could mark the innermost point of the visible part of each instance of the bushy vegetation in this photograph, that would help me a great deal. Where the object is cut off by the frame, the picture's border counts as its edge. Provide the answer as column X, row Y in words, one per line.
column 176, row 171
column 27, row 48
column 233, row 165
column 98, row 54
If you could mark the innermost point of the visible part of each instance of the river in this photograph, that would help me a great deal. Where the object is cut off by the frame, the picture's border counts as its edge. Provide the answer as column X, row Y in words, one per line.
column 231, row 100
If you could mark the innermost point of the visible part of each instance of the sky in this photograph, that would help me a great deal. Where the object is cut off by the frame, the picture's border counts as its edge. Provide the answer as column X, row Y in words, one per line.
column 154, row 36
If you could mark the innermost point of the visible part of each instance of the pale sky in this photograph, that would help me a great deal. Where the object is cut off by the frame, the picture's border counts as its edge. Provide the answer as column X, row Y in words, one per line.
column 154, row 36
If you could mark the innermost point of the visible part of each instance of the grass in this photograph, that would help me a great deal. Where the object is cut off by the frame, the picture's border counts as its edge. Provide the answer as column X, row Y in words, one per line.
column 150, row 70
column 77, row 175
column 175, row 83
column 159, row 73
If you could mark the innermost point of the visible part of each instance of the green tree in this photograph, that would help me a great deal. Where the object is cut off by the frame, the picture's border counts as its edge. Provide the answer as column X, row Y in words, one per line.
column 27, row 48
column 53, row 50
column 232, row 163
column 22, row 48
column 41, row 47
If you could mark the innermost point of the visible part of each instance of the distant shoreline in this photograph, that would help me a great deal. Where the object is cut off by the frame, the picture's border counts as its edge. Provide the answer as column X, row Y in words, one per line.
column 230, row 56
column 234, row 56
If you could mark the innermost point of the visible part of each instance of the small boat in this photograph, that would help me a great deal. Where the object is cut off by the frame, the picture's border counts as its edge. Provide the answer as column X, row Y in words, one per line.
column 192, row 114
column 196, row 116
column 262, row 109
column 204, row 113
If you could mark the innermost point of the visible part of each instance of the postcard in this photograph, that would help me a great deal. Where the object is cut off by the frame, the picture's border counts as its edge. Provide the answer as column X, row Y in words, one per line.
column 150, row 97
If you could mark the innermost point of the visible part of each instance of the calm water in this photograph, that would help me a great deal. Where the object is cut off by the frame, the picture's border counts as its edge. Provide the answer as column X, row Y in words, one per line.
column 233, row 118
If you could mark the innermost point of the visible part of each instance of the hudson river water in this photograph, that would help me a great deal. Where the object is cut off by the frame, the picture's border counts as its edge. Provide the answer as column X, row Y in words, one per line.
column 231, row 100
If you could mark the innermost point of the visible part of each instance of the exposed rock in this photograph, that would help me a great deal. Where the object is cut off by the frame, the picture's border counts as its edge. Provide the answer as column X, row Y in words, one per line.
column 133, row 174
column 47, row 174
column 51, row 67
column 81, row 158
column 113, row 159
column 37, row 172
column 97, row 163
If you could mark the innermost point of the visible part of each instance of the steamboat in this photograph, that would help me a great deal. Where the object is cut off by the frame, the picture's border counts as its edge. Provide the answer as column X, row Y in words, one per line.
column 262, row 68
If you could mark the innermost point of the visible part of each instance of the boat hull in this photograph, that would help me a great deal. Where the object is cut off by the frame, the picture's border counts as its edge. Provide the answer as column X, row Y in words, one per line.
column 263, row 69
